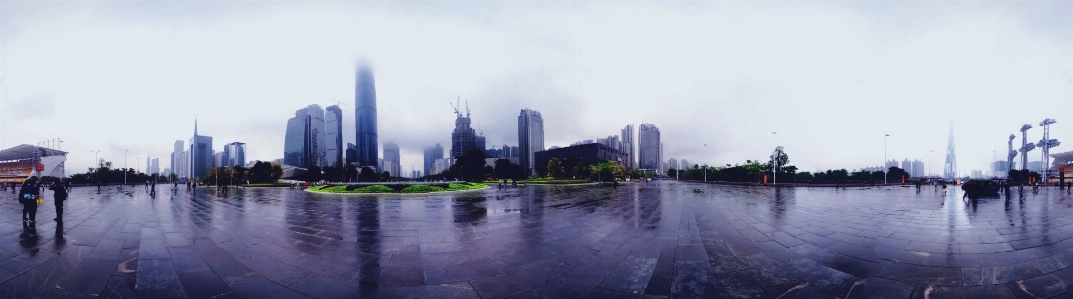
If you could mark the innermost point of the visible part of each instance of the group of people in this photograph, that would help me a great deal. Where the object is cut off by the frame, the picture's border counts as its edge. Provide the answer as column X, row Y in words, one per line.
column 30, row 197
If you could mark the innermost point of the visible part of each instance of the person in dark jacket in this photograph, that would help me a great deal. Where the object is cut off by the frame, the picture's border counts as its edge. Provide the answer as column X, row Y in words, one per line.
column 28, row 198
column 59, row 195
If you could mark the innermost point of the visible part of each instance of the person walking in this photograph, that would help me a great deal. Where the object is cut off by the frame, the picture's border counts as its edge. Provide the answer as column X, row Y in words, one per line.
column 28, row 198
column 59, row 195
column 944, row 190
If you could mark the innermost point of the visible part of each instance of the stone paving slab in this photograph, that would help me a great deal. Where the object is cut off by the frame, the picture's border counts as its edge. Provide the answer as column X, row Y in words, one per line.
column 655, row 240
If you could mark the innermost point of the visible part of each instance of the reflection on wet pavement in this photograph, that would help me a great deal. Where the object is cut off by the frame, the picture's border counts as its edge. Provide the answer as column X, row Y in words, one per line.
column 677, row 240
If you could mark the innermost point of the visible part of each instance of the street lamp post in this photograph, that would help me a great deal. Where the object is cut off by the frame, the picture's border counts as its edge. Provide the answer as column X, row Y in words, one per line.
column 774, row 167
column 885, row 158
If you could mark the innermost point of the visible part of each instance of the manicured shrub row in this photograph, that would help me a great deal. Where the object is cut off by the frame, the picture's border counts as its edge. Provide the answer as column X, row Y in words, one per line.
column 396, row 188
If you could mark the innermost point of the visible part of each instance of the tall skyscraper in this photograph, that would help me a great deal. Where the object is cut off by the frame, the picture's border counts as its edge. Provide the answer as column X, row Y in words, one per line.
column 530, row 138
column 304, row 142
column 367, row 142
column 391, row 154
column 950, row 168
column 235, row 154
column 649, row 147
column 333, row 134
column 628, row 147
column 148, row 165
column 431, row 155
column 200, row 154
column 918, row 168
column 154, row 168
column 176, row 158
column 673, row 163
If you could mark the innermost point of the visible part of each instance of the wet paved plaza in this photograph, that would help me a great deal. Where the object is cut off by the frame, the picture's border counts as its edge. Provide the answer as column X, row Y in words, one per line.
column 678, row 240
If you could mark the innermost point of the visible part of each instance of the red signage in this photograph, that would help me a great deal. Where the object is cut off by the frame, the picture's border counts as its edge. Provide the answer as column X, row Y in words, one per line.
column 39, row 167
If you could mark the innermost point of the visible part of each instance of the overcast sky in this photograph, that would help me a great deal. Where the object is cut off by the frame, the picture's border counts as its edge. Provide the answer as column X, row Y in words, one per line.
column 717, row 78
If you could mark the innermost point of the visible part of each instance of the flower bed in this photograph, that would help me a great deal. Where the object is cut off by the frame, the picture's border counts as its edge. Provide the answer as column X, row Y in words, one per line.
column 397, row 188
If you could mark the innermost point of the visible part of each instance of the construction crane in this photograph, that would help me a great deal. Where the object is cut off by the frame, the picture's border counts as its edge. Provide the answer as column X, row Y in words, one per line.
column 455, row 106
column 339, row 103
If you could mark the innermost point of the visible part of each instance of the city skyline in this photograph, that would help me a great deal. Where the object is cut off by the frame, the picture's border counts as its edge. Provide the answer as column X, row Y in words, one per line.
column 935, row 64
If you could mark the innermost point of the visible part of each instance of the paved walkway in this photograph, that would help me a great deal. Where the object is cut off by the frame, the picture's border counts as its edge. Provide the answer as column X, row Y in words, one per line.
column 665, row 239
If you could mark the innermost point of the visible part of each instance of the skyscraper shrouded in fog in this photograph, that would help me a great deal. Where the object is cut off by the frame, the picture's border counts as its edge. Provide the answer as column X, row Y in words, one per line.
column 649, row 147
column 431, row 155
column 530, row 138
column 333, row 134
column 304, row 143
column 366, row 141
column 391, row 159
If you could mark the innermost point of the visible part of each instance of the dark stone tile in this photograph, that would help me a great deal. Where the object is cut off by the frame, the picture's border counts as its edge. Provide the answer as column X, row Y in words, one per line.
column 205, row 284
column 943, row 292
column 274, row 270
column 157, row 278
column 512, row 283
column 89, row 277
column 998, row 274
column 631, row 276
column 260, row 287
column 874, row 288
column 923, row 274
column 1044, row 286
column 323, row 287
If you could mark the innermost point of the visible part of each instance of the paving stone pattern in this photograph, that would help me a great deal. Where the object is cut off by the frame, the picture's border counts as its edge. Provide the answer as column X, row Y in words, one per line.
column 655, row 240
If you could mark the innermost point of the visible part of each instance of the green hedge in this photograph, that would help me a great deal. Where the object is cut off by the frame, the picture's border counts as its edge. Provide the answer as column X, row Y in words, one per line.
column 385, row 189
column 421, row 189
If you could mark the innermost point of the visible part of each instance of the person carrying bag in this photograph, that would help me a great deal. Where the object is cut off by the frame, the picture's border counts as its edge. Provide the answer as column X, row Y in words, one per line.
column 30, row 197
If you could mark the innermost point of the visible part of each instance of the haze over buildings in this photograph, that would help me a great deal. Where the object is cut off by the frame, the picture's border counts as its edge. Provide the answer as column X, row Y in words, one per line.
column 366, row 135
column 589, row 68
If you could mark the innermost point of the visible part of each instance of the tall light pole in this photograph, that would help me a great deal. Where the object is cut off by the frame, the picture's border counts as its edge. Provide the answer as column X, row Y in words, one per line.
column 774, row 167
column 95, row 161
column 885, row 169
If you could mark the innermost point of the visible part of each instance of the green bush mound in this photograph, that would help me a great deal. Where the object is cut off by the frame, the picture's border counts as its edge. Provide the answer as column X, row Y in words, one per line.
column 374, row 189
column 385, row 189
column 466, row 186
column 421, row 189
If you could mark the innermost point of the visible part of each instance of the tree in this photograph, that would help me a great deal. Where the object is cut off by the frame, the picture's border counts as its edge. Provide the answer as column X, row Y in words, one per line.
column 385, row 176
column 351, row 173
column 671, row 172
column 470, row 166
column 367, row 175
column 277, row 172
column 554, row 167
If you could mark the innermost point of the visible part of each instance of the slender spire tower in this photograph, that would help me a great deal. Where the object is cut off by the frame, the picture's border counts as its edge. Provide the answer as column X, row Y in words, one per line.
column 950, row 169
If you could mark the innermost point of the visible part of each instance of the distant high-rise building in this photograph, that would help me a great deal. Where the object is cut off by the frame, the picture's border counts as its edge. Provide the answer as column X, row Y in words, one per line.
column 685, row 164
column 649, row 147
column 367, row 140
column 628, row 144
column 167, row 171
column 333, row 134
column 998, row 168
column 148, row 165
column 918, row 168
column 672, row 162
column 530, row 138
column 304, row 142
column 219, row 159
column 351, row 153
column 515, row 152
column 154, row 168
column 907, row 166
column 431, row 155
column 176, row 158
column 200, row 155
column 891, row 163
column 234, row 154
column 391, row 154
column 950, row 167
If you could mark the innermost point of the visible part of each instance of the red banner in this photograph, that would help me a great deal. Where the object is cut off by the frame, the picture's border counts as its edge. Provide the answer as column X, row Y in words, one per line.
column 39, row 167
